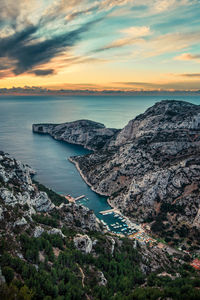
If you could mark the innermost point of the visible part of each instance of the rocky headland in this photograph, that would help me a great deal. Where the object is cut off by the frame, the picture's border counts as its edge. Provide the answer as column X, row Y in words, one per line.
column 150, row 169
column 89, row 134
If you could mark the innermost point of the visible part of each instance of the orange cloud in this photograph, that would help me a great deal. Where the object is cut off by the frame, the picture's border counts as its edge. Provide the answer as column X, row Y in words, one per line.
column 188, row 56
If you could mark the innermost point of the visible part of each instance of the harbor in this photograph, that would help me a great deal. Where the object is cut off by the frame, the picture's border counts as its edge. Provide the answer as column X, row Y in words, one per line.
column 115, row 222
column 111, row 219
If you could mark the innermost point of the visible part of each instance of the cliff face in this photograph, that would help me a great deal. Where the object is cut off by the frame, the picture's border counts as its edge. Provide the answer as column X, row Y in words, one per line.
column 91, row 135
column 151, row 168
column 16, row 186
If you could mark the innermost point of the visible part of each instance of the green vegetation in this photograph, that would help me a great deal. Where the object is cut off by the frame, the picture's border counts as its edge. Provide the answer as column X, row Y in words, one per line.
column 13, row 292
column 50, row 221
column 180, row 235
column 51, row 270
column 55, row 198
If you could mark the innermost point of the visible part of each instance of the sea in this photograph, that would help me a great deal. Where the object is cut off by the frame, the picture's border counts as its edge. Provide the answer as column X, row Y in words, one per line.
column 48, row 157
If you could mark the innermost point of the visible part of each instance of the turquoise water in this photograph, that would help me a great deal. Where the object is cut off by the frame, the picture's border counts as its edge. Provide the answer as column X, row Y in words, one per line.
column 49, row 157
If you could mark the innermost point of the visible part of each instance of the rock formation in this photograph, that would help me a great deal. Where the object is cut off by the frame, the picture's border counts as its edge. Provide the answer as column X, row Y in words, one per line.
column 16, row 186
column 83, row 243
column 91, row 135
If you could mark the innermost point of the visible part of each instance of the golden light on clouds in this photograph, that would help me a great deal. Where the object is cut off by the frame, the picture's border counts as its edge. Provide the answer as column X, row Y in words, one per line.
column 121, row 44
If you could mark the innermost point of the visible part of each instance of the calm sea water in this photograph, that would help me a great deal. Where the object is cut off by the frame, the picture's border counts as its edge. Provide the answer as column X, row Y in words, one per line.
column 49, row 157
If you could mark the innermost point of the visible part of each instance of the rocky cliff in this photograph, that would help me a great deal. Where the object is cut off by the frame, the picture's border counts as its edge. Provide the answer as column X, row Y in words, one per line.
column 91, row 135
column 151, row 169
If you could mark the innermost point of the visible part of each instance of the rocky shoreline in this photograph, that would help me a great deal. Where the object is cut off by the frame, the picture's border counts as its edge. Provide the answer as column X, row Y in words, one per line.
column 84, row 177
column 89, row 134
column 87, row 182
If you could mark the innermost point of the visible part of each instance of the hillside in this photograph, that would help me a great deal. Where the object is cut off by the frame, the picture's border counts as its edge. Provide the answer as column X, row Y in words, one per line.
column 50, row 249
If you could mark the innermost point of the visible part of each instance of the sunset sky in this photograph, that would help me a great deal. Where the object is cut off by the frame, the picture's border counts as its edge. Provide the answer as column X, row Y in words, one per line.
column 103, row 44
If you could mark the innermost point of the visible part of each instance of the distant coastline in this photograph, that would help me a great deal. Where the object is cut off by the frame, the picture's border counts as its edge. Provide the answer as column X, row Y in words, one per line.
column 37, row 91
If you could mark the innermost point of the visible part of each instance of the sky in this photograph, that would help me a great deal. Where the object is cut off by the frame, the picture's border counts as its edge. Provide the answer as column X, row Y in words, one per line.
column 102, row 44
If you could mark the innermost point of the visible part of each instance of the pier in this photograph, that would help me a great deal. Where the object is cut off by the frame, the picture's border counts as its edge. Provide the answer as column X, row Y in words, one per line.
column 72, row 199
column 80, row 197
column 113, row 210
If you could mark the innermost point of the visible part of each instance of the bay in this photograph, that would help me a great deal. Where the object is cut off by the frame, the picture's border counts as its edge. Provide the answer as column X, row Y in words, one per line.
column 49, row 157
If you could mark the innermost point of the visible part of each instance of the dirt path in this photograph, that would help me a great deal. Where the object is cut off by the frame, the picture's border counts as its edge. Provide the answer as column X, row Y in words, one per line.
column 82, row 275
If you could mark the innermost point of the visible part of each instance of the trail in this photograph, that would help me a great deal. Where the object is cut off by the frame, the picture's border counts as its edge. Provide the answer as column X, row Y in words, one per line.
column 82, row 275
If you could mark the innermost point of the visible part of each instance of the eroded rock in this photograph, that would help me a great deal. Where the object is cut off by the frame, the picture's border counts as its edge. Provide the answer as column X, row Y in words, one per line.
column 83, row 243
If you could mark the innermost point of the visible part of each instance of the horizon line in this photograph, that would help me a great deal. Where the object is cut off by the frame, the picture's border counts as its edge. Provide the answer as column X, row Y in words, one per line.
column 39, row 91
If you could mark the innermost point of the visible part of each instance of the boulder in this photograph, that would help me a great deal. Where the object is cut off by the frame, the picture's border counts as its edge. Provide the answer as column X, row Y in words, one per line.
column 83, row 243
column 56, row 231
column 102, row 281
column 38, row 231
column 20, row 222
column 42, row 202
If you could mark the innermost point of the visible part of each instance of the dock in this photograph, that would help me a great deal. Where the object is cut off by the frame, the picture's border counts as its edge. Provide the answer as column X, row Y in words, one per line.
column 113, row 210
column 80, row 197
column 72, row 199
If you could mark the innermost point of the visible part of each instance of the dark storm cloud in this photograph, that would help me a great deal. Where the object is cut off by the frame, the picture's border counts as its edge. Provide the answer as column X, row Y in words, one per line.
column 43, row 72
column 28, row 52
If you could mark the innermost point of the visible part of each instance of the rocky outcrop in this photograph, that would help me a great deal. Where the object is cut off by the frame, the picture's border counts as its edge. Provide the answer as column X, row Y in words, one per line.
column 56, row 231
column 20, row 222
column 2, row 278
column 80, row 216
column 38, row 231
column 102, row 281
column 41, row 202
column 83, row 243
column 1, row 213
column 112, row 240
column 151, row 168
column 91, row 135
column 16, row 186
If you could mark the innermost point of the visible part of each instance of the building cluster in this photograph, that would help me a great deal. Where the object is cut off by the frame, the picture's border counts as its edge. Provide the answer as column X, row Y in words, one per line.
column 196, row 264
